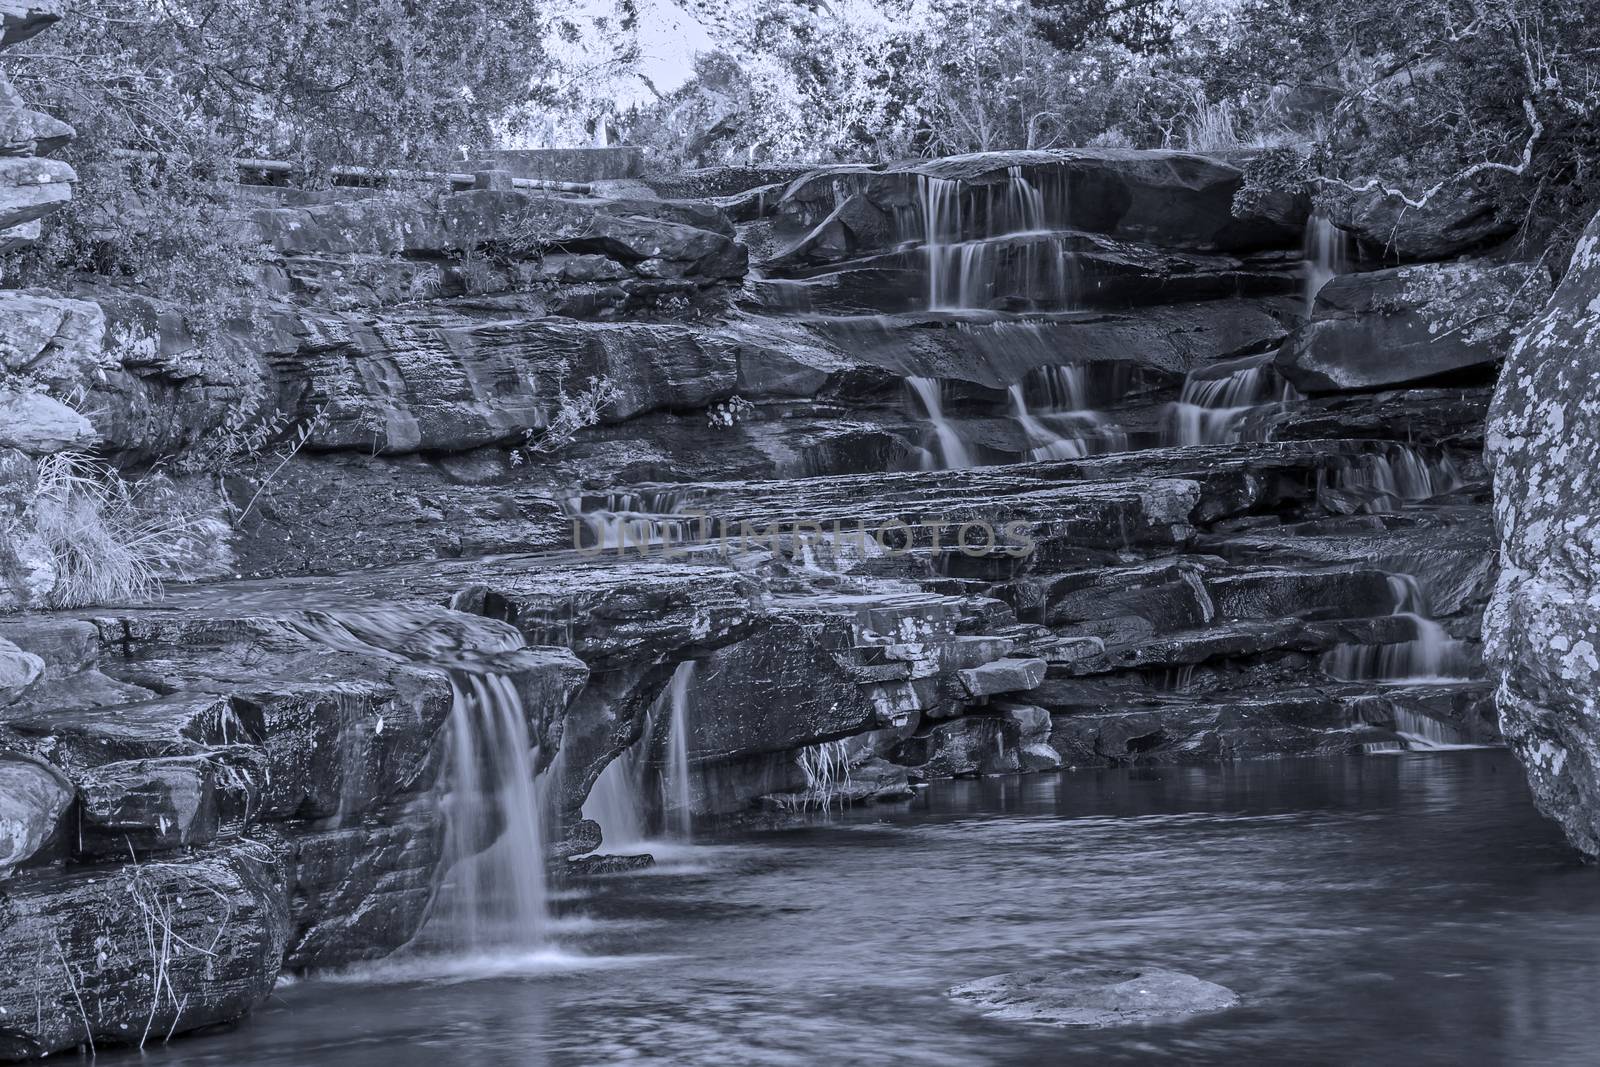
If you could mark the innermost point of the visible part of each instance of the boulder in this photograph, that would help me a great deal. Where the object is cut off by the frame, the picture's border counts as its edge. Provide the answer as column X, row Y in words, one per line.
column 1542, row 627
column 1094, row 997
column 129, row 954
column 55, row 341
column 31, row 188
column 1411, row 324
column 1395, row 231
column 34, row 798
column 21, row 19
column 18, row 671
column 1010, row 675
column 40, row 424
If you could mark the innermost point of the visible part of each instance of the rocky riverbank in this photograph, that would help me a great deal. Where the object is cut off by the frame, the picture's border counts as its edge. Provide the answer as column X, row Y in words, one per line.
column 986, row 465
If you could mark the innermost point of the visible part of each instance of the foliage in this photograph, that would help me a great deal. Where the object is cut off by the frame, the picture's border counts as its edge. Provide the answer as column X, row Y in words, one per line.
column 575, row 411
column 112, row 540
column 165, row 94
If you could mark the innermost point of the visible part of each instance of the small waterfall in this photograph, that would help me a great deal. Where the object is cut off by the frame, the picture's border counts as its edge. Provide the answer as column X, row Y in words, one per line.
column 620, row 521
column 1214, row 403
column 614, row 802
column 1043, row 442
column 1397, row 476
column 677, row 786
column 975, row 237
column 952, row 451
column 1432, row 656
column 492, row 894
column 1326, row 253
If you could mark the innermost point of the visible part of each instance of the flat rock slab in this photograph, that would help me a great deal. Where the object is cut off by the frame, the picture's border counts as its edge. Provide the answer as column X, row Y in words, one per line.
column 1094, row 996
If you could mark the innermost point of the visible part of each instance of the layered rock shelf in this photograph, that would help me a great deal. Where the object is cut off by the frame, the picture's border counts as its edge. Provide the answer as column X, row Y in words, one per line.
column 997, row 464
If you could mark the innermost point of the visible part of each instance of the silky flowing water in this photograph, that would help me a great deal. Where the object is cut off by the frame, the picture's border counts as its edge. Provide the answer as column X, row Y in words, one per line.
column 1392, row 909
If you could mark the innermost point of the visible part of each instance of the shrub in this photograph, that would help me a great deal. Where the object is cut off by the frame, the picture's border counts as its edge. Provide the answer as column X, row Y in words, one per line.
column 112, row 540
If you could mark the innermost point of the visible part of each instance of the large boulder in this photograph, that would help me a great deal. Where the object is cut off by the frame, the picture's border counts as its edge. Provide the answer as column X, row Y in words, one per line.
column 1389, row 228
column 31, row 188
column 1542, row 628
column 1410, row 324
column 131, row 954
column 33, row 799
column 40, row 424
column 21, row 19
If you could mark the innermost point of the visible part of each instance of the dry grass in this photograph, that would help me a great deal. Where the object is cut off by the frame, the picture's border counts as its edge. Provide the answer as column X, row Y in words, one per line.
column 112, row 540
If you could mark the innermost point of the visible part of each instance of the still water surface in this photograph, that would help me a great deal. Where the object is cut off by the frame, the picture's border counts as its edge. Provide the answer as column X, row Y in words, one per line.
column 1408, row 909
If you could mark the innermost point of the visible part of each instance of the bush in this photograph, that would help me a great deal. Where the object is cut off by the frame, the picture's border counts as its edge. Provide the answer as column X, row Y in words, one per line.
column 111, row 540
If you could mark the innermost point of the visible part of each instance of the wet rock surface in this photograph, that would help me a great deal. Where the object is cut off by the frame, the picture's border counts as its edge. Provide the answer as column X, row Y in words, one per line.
column 850, row 527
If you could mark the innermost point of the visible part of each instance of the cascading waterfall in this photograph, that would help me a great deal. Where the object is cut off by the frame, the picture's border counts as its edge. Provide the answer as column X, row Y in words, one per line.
column 1396, row 476
column 952, row 451
column 1043, row 442
column 1326, row 253
column 615, row 803
column 1015, row 246
column 677, row 786
column 1214, row 403
column 490, row 894
column 1432, row 656
column 627, row 520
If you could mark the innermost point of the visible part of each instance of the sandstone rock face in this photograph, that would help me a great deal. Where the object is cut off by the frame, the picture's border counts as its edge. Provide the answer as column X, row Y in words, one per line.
column 1392, row 230
column 1410, row 324
column 1542, row 628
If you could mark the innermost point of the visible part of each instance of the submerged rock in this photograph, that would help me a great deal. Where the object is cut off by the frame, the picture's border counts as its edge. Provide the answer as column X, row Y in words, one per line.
column 1094, row 997
column 1542, row 627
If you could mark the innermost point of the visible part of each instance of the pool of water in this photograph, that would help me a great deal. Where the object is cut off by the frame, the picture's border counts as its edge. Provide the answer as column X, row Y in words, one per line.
column 1400, row 909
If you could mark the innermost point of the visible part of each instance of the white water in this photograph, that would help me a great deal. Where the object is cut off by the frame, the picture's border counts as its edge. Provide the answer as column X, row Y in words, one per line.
column 1213, row 405
column 952, row 451
column 628, row 520
column 964, row 269
column 677, row 786
column 1327, row 253
column 1398, row 475
column 614, row 801
column 491, row 895
column 1431, row 657
column 1043, row 442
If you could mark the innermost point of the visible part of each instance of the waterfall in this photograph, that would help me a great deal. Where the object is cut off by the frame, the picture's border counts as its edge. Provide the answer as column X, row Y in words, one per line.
column 1002, row 234
column 1431, row 656
column 1214, row 403
column 492, row 895
column 1396, row 476
column 619, row 521
column 614, row 802
column 677, row 787
column 952, row 452
column 1043, row 442
column 1326, row 254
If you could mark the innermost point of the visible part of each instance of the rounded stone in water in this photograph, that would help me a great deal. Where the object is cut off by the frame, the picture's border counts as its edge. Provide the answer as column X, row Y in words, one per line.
column 1094, row 997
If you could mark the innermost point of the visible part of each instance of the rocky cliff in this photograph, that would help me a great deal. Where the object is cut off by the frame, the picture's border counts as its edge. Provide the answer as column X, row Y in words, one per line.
column 985, row 465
